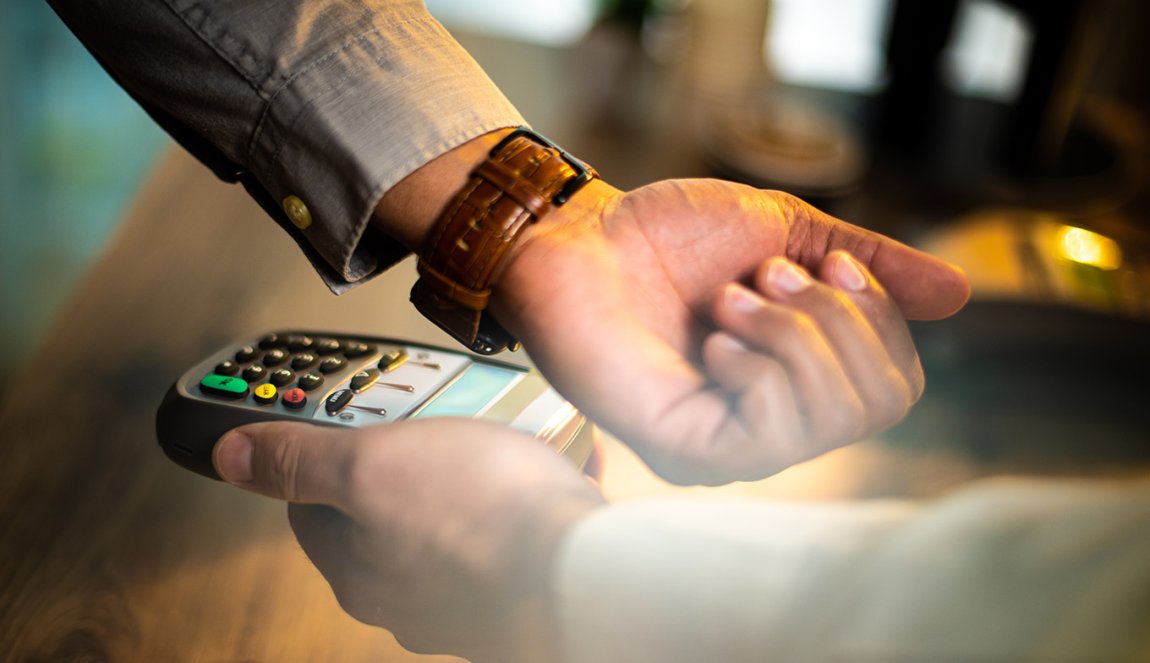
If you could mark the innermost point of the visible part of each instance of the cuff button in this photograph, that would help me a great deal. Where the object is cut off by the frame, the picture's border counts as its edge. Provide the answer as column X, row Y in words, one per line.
column 297, row 212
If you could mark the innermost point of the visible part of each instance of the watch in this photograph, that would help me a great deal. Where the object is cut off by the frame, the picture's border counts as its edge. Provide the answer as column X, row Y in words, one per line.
column 522, row 179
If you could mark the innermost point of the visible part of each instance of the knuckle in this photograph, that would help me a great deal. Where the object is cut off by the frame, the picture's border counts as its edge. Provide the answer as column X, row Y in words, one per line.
column 361, row 474
column 786, row 331
column 831, row 305
column 818, row 299
column 896, row 406
column 286, row 459
column 798, row 328
column 846, row 422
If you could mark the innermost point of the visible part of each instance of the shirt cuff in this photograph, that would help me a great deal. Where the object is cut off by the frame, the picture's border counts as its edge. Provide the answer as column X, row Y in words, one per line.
column 358, row 119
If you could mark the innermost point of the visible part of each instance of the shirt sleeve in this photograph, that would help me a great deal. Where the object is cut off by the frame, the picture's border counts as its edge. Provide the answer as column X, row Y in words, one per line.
column 316, row 106
column 1002, row 572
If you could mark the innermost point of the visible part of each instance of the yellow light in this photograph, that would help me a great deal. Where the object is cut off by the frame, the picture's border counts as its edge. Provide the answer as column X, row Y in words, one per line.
column 1089, row 248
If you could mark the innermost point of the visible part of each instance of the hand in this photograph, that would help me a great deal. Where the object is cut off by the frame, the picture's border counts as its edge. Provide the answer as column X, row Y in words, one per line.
column 613, row 294
column 812, row 365
column 442, row 531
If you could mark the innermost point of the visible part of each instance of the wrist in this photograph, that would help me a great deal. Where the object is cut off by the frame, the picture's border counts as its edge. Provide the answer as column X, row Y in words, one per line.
column 522, row 180
column 409, row 210
column 533, row 254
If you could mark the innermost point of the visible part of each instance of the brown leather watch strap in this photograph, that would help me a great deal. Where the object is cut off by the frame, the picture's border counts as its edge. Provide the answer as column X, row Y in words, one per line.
column 521, row 180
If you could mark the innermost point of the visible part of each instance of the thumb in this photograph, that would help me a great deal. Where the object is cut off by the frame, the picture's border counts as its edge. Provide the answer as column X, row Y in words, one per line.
column 923, row 286
column 290, row 461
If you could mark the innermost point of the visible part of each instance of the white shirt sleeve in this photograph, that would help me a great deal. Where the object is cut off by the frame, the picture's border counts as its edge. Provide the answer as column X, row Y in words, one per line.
column 1005, row 571
column 331, row 102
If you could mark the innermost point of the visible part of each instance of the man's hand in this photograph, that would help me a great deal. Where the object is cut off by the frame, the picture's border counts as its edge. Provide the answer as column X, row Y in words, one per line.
column 614, row 294
column 445, row 530
column 442, row 531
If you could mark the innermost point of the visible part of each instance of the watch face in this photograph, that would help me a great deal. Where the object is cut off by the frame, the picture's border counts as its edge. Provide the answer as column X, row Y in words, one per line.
column 492, row 338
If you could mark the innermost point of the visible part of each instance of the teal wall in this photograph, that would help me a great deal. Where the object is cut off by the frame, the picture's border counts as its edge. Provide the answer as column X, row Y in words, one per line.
column 73, row 150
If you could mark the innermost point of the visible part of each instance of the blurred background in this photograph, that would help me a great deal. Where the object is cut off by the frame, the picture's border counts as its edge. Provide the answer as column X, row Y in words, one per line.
column 1010, row 136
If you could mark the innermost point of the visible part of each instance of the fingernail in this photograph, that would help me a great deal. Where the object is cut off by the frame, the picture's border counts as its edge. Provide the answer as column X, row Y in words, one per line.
column 849, row 274
column 730, row 343
column 741, row 299
column 787, row 276
column 233, row 457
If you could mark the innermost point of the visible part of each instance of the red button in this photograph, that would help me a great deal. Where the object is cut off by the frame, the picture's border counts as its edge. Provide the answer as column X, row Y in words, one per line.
column 294, row 398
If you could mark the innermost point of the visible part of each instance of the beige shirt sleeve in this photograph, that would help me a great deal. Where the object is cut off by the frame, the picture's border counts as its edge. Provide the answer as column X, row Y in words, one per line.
column 1003, row 571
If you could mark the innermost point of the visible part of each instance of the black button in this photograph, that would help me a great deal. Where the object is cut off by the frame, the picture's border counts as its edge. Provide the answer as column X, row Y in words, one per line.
column 353, row 349
column 227, row 368
column 392, row 360
column 326, row 346
column 275, row 357
column 271, row 341
column 255, row 373
column 310, row 381
column 364, row 379
column 281, row 377
column 299, row 342
column 332, row 364
column 303, row 360
column 246, row 354
column 337, row 401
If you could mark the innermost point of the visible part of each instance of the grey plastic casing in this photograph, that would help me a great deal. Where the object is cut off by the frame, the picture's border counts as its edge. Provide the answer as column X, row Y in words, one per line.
column 430, row 381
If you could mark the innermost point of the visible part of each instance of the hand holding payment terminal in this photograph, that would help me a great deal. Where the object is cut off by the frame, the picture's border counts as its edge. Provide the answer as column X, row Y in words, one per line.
column 344, row 380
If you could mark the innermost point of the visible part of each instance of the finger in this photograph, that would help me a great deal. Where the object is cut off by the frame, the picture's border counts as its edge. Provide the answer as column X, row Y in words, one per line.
column 295, row 462
column 323, row 532
column 872, row 301
column 765, row 404
column 924, row 287
column 832, row 410
column 876, row 379
column 327, row 537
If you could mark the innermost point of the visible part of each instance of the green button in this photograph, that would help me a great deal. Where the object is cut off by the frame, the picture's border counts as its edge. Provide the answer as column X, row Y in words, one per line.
column 224, row 385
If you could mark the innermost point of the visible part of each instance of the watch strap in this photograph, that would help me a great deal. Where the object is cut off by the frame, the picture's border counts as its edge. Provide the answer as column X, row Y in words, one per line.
column 522, row 179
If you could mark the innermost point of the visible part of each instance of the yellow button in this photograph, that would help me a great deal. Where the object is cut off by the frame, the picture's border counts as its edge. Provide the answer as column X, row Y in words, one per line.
column 265, row 393
column 297, row 212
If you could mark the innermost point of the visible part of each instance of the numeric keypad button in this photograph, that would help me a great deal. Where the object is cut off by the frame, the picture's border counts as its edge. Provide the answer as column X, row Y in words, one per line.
column 353, row 349
column 299, row 342
column 326, row 346
column 282, row 376
column 246, row 354
column 310, row 381
column 332, row 365
column 275, row 357
column 303, row 360
column 255, row 373
column 227, row 367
